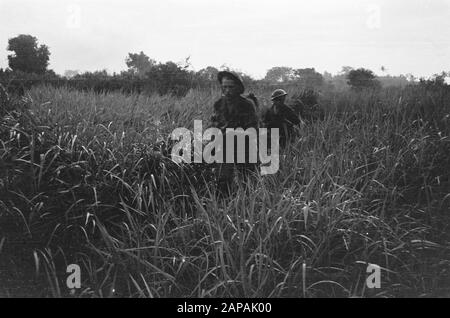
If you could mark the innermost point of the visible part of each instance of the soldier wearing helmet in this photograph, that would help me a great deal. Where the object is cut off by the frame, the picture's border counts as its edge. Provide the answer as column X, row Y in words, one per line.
column 233, row 110
column 281, row 116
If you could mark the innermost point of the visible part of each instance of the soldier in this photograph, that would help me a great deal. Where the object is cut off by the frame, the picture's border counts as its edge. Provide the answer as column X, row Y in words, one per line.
column 233, row 111
column 281, row 116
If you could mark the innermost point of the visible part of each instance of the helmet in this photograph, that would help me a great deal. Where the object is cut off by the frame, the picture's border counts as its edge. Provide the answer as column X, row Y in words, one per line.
column 278, row 93
column 232, row 76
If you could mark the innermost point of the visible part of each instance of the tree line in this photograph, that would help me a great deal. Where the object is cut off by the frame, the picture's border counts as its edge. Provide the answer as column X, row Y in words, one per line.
column 28, row 65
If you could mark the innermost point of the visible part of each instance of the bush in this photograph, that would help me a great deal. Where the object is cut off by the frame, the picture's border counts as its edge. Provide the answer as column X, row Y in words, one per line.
column 306, row 104
column 362, row 78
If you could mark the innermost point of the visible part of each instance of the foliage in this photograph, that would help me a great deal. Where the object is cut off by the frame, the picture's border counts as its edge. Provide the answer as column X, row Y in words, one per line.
column 306, row 104
column 71, row 73
column 88, row 183
column 362, row 78
column 308, row 78
column 208, row 74
column 437, row 81
column 170, row 78
column 139, row 64
column 28, row 56
column 280, row 74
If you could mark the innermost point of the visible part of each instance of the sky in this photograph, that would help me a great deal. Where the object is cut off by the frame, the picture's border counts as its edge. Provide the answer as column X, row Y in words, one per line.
column 404, row 36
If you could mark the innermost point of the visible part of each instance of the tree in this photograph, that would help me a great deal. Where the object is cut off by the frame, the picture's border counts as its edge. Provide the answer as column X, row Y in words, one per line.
column 440, row 78
column 71, row 73
column 410, row 77
column 327, row 76
column 170, row 78
column 209, row 73
column 139, row 64
column 393, row 81
column 28, row 56
column 362, row 78
column 436, row 81
column 345, row 70
column 280, row 74
column 308, row 77
column 185, row 64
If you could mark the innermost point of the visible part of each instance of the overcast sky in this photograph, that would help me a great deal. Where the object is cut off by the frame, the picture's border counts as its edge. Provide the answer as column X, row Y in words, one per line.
column 405, row 36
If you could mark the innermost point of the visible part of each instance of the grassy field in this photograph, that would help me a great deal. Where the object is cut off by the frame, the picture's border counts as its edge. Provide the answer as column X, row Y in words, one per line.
column 86, row 185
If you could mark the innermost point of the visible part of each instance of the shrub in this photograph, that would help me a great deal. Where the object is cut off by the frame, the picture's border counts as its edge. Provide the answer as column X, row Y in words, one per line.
column 362, row 78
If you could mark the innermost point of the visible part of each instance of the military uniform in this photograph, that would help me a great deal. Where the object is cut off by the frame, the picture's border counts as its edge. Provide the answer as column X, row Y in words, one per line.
column 283, row 118
column 238, row 112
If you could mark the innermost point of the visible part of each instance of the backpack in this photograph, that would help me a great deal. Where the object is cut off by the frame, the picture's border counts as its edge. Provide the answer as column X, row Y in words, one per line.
column 253, row 98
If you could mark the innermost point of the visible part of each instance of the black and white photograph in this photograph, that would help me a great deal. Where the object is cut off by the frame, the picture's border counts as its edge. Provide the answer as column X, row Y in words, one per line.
column 236, row 151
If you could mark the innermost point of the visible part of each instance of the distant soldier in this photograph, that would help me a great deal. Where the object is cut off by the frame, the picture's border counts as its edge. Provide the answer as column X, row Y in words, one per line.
column 281, row 116
column 233, row 111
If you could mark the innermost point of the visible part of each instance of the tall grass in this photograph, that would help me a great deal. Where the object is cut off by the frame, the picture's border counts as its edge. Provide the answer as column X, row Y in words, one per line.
column 88, row 186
